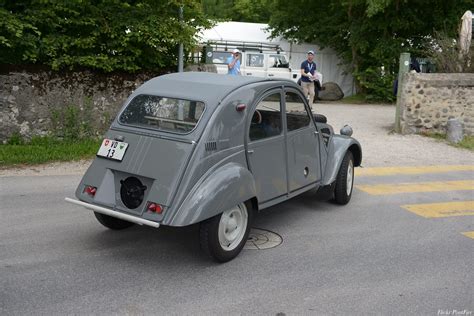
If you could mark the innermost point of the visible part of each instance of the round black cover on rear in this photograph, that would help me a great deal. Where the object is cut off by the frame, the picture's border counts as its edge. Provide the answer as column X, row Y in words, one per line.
column 132, row 192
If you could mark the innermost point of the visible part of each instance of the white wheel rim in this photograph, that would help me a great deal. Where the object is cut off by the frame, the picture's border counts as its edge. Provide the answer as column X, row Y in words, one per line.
column 232, row 227
column 350, row 176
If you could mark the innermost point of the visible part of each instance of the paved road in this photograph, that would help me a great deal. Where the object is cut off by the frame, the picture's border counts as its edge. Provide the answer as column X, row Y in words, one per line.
column 381, row 254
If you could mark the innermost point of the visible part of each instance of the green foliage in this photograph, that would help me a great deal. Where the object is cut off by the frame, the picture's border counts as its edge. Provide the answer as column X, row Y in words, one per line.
column 218, row 9
column 355, row 99
column 15, row 139
column 444, row 51
column 47, row 149
column 466, row 143
column 107, row 35
column 257, row 11
column 368, row 34
column 74, row 123
column 377, row 85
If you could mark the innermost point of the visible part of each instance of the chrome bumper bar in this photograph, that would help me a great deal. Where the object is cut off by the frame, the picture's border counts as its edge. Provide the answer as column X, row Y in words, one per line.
column 106, row 211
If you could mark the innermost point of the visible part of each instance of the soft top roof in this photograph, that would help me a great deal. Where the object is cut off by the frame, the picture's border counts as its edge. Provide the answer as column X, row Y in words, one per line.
column 199, row 86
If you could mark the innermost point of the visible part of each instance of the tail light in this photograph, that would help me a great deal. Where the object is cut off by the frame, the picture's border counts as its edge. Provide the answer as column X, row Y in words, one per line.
column 90, row 190
column 154, row 208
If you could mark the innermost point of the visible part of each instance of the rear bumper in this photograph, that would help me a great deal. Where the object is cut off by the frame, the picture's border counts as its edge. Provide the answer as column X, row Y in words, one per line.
column 109, row 212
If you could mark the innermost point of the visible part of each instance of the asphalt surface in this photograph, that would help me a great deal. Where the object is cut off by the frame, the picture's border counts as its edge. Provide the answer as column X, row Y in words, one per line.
column 369, row 257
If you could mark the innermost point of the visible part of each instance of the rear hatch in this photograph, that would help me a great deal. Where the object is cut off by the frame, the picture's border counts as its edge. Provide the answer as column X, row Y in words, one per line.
column 144, row 155
column 157, row 162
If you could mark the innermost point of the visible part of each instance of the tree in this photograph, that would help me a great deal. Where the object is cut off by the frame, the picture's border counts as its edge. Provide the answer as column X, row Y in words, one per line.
column 108, row 35
column 257, row 11
column 368, row 35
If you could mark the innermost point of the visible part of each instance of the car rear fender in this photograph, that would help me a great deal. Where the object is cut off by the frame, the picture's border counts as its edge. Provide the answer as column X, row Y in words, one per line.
column 217, row 191
column 338, row 146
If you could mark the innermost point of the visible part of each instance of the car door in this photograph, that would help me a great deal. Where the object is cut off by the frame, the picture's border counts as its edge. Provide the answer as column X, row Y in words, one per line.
column 266, row 147
column 254, row 65
column 302, row 142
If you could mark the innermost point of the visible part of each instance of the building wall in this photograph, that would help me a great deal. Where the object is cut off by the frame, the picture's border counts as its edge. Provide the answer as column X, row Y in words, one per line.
column 428, row 101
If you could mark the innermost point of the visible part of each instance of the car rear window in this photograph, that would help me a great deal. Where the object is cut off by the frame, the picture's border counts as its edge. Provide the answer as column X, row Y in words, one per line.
column 162, row 113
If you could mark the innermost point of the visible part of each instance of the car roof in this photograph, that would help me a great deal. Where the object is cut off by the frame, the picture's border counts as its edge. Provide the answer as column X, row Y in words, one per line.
column 210, row 88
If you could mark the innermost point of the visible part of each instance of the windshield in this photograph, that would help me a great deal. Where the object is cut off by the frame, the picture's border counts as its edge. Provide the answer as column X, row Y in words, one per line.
column 161, row 113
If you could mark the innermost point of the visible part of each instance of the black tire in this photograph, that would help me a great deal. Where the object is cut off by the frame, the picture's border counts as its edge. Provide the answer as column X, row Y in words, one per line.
column 112, row 222
column 209, row 236
column 342, row 191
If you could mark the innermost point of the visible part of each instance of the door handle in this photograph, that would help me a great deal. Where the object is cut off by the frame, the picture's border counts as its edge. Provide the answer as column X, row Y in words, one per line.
column 250, row 151
column 270, row 75
column 316, row 132
column 249, row 73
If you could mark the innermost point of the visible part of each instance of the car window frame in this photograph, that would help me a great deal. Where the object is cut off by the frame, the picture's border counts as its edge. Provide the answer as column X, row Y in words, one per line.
column 161, row 130
column 306, row 105
column 247, row 60
column 266, row 93
column 278, row 55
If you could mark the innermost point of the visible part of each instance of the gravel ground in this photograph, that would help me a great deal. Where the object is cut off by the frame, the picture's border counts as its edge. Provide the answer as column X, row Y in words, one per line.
column 373, row 128
column 372, row 124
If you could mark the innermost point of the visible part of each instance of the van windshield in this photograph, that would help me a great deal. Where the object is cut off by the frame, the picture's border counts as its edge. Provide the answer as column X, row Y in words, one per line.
column 161, row 113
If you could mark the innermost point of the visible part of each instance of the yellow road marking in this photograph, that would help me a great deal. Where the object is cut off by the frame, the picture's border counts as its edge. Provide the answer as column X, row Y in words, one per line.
column 469, row 234
column 445, row 209
column 435, row 186
column 388, row 171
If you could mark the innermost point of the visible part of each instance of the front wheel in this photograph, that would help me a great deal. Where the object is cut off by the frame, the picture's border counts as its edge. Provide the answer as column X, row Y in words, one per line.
column 223, row 236
column 345, row 180
column 112, row 222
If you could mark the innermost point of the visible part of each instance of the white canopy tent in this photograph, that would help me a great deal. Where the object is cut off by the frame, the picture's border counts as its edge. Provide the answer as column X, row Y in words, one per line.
column 327, row 61
column 465, row 33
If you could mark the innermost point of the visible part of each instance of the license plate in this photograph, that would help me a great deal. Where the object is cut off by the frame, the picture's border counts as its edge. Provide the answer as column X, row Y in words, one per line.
column 112, row 149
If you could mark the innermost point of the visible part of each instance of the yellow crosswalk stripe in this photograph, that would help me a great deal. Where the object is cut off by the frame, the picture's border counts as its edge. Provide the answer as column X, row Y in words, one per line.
column 445, row 209
column 469, row 234
column 435, row 186
column 388, row 171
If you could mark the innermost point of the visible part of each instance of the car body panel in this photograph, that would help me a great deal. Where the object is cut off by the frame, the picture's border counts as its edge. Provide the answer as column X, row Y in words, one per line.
column 338, row 146
column 197, row 175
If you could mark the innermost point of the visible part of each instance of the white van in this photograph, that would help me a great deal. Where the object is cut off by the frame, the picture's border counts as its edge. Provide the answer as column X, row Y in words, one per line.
column 266, row 64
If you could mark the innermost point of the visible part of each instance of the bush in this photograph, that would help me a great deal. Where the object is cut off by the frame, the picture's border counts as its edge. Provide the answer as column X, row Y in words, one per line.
column 377, row 86
column 444, row 51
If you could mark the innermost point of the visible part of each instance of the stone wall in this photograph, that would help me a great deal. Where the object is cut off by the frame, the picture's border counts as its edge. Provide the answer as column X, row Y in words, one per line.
column 36, row 102
column 428, row 101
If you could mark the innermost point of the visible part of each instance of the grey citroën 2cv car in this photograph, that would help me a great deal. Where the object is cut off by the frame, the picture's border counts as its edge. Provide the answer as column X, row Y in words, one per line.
column 211, row 149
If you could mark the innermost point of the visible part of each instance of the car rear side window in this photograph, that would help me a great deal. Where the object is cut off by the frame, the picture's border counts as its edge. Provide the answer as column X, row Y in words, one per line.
column 266, row 120
column 296, row 115
column 162, row 113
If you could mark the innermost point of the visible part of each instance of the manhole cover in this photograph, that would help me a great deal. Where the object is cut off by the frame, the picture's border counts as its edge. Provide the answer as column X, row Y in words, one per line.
column 262, row 239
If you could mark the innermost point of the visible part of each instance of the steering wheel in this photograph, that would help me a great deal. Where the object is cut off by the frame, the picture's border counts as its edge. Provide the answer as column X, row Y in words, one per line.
column 257, row 117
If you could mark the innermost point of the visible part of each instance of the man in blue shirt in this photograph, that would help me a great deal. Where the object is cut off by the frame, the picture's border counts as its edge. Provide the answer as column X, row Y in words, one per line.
column 308, row 69
column 233, row 63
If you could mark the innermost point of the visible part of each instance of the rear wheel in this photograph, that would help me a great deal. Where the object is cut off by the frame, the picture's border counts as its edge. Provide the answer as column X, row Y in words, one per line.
column 345, row 180
column 223, row 236
column 112, row 222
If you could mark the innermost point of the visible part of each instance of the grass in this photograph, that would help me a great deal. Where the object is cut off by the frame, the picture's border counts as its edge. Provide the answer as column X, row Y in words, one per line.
column 46, row 149
column 467, row 142
column 355, row 99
